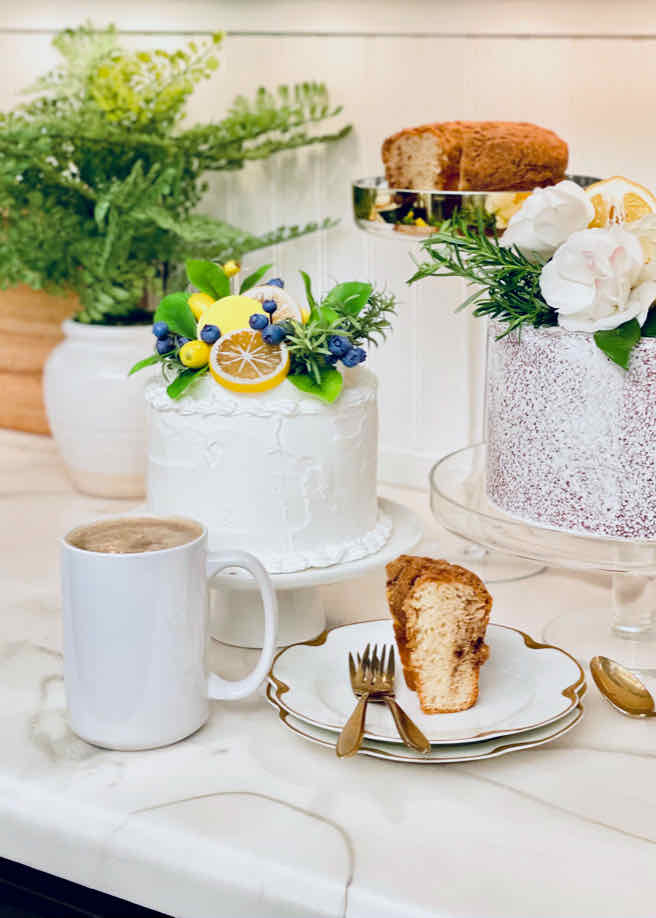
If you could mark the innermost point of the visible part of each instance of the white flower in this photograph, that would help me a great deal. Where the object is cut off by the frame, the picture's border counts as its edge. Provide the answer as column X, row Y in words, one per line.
column 547, row 218
column 645, row 230
column 593, row 280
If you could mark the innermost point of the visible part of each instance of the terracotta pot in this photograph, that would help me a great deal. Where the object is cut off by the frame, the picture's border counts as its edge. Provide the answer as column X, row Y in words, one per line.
column 30, row 327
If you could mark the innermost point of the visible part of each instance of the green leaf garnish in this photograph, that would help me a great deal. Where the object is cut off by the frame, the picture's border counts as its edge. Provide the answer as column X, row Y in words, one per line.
column 308, row 289
column 209, row 277
column 327, row 390
column 253, row 278
column 349, row 298
column 618, row 343
column 146, row 362
column 327, row 314
column 175, row 311
column 183, row 381
column 649, row 328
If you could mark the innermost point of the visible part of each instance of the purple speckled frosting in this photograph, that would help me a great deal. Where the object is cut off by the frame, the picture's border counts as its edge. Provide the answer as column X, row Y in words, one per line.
column 571, row 436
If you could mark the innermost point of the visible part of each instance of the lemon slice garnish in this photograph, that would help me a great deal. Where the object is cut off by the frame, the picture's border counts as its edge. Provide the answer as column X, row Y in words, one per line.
column 619, row 200
column 287, row 308
column 242, row 362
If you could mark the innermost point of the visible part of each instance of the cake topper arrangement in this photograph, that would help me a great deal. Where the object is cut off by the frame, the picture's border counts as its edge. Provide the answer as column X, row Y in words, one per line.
column 253, row 341
column 583, row 259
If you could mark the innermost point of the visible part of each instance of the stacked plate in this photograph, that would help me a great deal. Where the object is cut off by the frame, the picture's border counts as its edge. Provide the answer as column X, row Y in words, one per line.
column 529, row 694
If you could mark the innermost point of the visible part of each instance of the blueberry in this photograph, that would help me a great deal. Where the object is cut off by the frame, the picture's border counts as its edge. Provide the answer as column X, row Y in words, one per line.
column 164, row 345
column 181, row 340
column 210, row 334
column 354, row 356
column 273, row 334
column 331, row 360
column 269, row 306
column 276, row 282
column 160, row 330
column 339, row 345
column 257, row 321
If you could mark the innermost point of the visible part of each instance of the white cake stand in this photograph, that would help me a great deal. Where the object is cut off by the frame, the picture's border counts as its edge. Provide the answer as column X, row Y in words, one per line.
column 236, row 611
column 625, row 629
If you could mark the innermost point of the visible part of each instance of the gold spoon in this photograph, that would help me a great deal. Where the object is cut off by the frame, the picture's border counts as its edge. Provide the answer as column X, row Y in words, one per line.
column 621, row 688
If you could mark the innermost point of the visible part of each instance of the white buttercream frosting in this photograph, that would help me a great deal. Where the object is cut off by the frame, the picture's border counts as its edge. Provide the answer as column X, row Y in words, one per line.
column 280, row 474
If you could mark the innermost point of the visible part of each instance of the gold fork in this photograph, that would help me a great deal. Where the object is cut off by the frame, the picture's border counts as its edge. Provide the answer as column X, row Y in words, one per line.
column 372, row 679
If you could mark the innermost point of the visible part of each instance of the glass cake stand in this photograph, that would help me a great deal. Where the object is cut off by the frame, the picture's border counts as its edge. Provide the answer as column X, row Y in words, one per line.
column 625, row 629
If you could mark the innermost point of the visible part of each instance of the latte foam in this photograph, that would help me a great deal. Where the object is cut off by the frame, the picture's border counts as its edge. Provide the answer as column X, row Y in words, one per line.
column 130, row 535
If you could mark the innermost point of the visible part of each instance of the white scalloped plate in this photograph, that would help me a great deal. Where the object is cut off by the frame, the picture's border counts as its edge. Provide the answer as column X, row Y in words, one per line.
column 442, row 754
column 524, row 685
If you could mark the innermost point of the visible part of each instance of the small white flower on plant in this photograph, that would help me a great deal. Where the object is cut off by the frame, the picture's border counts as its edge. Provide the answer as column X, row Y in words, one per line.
column 547, row 218
column 593, row 280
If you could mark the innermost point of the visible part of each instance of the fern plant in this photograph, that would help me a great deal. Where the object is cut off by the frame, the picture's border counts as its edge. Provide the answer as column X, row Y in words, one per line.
column 99, row 181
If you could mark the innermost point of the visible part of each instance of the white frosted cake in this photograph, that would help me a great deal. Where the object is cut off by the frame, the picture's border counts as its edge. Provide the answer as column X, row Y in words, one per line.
column 263, row 425
column 572, row 436
column 282, row 475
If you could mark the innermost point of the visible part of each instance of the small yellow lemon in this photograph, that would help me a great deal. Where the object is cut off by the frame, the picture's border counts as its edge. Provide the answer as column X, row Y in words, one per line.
column 194, row 354
column 198, row 303
column 230, row 313
column 231, row 268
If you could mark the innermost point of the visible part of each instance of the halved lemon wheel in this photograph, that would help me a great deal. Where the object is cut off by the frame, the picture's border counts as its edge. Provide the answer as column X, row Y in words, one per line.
column 242, row 362
column 619, row 200
column 287, row 307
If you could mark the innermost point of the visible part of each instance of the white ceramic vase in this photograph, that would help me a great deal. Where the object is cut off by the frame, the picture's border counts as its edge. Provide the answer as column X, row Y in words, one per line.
column 96, row 413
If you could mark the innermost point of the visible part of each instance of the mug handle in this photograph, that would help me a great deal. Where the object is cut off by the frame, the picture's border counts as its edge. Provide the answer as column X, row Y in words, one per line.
column 220, row 689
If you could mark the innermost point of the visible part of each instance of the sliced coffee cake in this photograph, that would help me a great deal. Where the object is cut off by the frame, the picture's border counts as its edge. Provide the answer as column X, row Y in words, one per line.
column 440, row 613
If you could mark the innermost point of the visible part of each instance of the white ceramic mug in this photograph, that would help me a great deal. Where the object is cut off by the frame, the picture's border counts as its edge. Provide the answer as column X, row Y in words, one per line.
column 135, row 637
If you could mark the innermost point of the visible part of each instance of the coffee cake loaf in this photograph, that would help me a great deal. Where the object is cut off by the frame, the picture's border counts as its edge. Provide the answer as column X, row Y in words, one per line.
column 474, row 155
column 440, row 613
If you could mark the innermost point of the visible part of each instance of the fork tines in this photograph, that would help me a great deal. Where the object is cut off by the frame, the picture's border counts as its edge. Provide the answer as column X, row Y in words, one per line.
column 372, row 663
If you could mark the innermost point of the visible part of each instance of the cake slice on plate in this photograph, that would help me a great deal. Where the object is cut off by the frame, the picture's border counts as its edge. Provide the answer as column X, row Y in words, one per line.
column 440, row 614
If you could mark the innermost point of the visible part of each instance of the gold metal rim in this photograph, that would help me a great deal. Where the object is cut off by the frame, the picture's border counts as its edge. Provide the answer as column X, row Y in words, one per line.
column 421, row 759
column 573, row 692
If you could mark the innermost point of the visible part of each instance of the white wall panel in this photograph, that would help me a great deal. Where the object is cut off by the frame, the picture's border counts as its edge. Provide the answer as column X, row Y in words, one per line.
column 585, row 69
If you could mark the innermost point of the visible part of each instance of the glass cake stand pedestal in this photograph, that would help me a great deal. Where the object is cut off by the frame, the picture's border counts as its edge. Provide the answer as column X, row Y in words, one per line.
column 624, row 629
column 236, row 616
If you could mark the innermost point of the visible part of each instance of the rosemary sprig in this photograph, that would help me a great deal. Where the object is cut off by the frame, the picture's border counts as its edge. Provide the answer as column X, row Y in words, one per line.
column 508, row 285
column 308, row 343
column 373, row 323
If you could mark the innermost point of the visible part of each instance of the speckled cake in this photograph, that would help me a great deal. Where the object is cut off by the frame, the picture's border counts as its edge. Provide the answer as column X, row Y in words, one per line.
column 571, row 436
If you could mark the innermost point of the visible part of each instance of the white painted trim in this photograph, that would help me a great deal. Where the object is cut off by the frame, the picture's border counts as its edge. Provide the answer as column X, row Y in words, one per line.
column 630, row 19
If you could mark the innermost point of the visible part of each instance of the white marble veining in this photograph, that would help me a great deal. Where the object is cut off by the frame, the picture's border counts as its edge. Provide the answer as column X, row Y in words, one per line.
column 244, row 819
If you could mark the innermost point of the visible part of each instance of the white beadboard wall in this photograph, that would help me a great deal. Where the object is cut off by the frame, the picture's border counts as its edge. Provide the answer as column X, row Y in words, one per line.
column 586, row 69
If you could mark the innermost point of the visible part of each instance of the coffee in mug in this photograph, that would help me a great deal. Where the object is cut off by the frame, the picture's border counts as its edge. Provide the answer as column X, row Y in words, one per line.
column 135, row 610
column 130, row 535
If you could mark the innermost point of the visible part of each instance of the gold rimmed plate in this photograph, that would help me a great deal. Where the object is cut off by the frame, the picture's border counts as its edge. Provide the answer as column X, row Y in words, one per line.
column 441, row 754
column 524, row 686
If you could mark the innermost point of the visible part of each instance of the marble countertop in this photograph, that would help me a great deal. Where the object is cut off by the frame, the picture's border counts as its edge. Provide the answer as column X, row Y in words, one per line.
column 246, row 819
